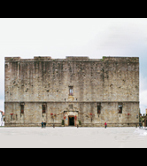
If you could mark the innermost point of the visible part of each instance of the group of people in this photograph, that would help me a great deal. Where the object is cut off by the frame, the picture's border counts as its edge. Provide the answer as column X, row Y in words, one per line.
column 43, row 124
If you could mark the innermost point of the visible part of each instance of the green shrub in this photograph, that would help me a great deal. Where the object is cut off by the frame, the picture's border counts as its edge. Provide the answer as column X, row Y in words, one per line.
column 103, row 58
column 62, row 122
column 79, row 122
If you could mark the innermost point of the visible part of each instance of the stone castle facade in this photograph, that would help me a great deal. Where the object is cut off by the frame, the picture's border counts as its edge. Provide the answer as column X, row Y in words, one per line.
column 72, row 90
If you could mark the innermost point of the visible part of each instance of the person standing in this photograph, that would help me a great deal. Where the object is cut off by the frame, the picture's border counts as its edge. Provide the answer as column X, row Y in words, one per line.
column 42, row 124
column 140, row 125
column 105, row 124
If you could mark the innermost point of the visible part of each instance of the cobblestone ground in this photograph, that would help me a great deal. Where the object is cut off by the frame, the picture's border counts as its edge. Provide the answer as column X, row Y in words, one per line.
column 72, row 137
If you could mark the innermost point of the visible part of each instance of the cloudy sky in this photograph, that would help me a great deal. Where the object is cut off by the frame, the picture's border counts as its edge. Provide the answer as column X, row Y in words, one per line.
column 61, row 37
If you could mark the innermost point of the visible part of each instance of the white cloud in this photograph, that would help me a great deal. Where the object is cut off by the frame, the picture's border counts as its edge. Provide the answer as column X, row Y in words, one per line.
column 143, row 93
column 59, row 38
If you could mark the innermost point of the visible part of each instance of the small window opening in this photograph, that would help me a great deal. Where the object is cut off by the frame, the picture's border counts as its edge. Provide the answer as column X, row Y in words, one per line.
column 70, row 90
column 120, row 108
column 22, row 109
column 43, row 108
column 99, row 108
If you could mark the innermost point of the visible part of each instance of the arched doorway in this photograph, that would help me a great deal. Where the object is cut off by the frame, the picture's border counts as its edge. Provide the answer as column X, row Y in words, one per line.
column 71, row 120
column 71, row 116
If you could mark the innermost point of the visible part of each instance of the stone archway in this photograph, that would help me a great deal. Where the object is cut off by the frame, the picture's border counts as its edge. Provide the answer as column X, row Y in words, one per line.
column 71, row 111
column 72, row 115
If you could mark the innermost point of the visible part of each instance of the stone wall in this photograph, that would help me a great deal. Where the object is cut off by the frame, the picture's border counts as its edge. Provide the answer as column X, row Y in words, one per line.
column 107, row 81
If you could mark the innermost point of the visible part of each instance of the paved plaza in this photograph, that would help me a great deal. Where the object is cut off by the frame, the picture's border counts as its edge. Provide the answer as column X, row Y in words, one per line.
column 72, row 137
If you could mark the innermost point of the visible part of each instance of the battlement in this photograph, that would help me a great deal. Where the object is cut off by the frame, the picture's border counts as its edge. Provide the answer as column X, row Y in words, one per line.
column 120, row 59
column 12, row 58
column 76, row 58
column 43, row 58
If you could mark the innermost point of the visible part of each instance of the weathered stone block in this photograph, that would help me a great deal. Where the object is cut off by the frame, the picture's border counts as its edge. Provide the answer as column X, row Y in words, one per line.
column 107, row 81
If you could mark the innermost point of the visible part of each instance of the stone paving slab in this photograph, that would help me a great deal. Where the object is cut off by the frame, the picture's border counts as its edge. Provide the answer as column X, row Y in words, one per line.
column 72, row 137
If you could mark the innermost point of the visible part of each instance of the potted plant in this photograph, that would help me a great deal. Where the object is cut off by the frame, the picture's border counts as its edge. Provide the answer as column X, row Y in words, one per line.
column 79, row 123
column 91, row 116
column 53, row 116
column 11, row 115
column 128, row 114
column 62, row 122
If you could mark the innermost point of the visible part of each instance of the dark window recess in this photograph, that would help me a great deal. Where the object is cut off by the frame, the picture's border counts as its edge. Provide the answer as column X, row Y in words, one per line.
column 43, row 109
column 22, row 109
column 99, row 108
column 70, row 90
column 120, row 108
